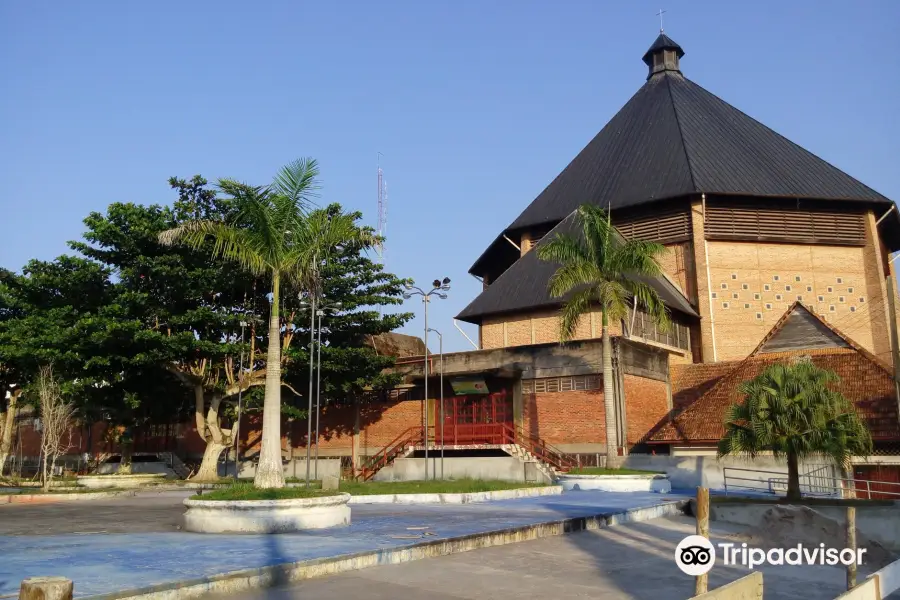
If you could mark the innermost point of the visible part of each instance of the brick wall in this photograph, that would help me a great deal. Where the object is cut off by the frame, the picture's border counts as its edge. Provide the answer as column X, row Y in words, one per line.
column 646, row 402
column 565, row 417
column 678, row 264
column 754, row 284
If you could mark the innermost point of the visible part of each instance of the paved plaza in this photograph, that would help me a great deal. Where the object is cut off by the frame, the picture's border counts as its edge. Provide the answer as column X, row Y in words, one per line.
column 126, row 543
column 632, row 561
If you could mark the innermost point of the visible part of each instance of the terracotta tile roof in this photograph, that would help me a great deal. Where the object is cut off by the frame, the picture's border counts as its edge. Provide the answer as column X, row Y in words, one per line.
column 690, row 382
column 864, row 382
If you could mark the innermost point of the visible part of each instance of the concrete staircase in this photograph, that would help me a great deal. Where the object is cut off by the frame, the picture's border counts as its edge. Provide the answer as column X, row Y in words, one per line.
column 549, row 471
column 176, row 464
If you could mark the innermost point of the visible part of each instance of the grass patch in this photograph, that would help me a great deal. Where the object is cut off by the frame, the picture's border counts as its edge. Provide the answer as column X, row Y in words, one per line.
column 246, row 491
column 456, row 486
column 41, row 492
column 604, row 471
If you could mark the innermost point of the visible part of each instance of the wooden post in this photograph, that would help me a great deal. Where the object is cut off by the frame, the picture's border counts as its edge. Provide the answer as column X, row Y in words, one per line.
column 46, row 588
column 851, row 543
column 701, row 585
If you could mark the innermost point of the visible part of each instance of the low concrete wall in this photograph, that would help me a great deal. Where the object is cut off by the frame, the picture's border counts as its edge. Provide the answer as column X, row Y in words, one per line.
column 749, row 587
column 138, row 468
column 134, row 480
column 53, row 498
column 616, row 483
column 878, row 523
column 295, row 467
column 688, row 472
column 550, row 490
column 501, row 468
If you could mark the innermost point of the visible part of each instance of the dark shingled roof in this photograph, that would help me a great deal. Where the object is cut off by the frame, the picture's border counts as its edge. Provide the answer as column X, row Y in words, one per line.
column 674, row 138
column 663, row 42
column 524, row 285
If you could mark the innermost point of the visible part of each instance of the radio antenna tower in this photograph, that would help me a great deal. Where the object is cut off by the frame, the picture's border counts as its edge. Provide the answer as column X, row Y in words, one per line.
column 381, row 228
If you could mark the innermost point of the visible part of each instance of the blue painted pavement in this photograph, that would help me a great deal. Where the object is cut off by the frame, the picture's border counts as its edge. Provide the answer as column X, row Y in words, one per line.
column 105, row 563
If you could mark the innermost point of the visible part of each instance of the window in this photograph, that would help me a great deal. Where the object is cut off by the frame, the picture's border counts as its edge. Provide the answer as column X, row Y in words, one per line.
column 852, row 309
column 714, row 295
column 799, row 298
column 759, row 316
column 734, row 276
column 774, row 277
column 756, row 296
column 787, row 288
column 724, row 305
column 821, row 298
column 745, row 286
column 809, row 288
column 841, row 299
column 778, row 296
column 850, row 290
column 840, row 280
column 662, row 227
column 549, row 385
column 768, row 306
column 797, row 278
column 724, row 286
column 831, row 308
column 767, row 287
column 746, row 306
column 734, row 296
column 861, row 299
column 830, row 289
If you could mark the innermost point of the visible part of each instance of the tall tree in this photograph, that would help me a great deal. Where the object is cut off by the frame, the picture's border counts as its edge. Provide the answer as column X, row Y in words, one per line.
column 270, row 235
column 599, row 268
column 190, row 304
column 793, row 411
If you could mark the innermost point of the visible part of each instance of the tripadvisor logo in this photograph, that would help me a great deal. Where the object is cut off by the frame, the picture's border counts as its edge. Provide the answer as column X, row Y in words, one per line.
column 695, row 555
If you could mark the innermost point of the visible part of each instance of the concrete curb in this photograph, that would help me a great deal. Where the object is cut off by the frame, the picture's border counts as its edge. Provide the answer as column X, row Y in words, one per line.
column 283, row 574
column 464, row 498
column 52, row 498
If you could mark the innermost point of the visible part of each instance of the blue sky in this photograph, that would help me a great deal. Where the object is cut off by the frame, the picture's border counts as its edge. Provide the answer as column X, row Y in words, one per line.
column 475, row 105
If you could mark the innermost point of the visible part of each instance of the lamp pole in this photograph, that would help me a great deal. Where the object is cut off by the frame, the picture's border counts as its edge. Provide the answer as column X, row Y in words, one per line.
column 309, row 408
column 438, row 287
column 441, row 350
column 320, row 313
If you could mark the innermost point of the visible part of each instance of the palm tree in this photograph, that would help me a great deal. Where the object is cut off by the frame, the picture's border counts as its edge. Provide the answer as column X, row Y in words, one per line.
column 793, row 411
column 266, row 238
column 599, row 268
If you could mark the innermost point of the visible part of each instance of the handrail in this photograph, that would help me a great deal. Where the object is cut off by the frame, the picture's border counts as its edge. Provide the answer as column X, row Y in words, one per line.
column 537, row 446
column 767, row 484
column 384, row 456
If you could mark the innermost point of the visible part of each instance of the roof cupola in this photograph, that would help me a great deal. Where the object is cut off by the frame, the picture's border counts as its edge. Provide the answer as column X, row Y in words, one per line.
column 663, row 55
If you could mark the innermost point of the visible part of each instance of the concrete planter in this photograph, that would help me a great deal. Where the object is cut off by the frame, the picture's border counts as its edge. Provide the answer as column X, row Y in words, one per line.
column 266, row 516
column 119, row 481
column 617, row 483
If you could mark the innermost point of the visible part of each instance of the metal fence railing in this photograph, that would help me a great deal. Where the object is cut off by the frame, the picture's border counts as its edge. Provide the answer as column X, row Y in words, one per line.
column 822, row 481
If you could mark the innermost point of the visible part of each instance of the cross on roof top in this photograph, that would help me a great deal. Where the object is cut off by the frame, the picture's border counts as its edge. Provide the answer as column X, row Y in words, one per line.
column 660, row 14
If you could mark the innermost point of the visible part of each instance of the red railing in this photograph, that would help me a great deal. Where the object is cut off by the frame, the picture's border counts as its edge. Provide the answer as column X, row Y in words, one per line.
column 540, row 449
column 411, row 437
column 466, row 434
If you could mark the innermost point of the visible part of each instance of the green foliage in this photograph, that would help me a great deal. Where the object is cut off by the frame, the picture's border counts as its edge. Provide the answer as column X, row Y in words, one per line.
column 246, row 491
column 601, row 268
column 793, row 411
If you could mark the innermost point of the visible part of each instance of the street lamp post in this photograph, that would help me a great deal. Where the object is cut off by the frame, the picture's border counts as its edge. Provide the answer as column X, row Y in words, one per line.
column 320, row 313
column 441, row 351
column 438, row 287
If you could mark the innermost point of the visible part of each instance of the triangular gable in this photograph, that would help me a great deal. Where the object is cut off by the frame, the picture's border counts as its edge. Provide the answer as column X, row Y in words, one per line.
column 801, row 330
